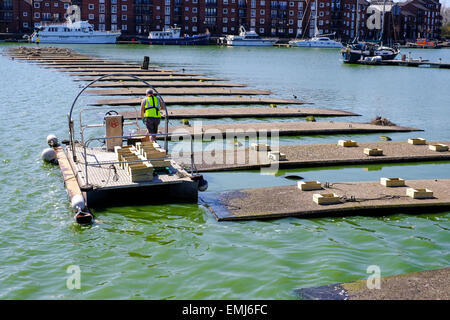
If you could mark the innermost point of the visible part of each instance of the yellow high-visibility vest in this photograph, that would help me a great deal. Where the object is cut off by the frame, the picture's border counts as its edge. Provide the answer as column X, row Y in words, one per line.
column 152, row 107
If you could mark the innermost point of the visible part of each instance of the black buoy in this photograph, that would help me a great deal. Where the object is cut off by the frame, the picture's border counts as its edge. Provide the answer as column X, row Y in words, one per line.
column 82, row 217
column 202, row 183
column 145, row 63
column 293, row 177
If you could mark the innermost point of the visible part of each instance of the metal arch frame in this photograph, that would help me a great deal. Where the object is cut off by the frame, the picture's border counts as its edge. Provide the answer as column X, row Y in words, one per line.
column 69, row 116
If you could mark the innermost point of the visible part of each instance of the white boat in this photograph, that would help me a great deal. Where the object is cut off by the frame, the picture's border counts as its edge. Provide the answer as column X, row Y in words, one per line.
column 76, row 32
column 318, row 41
column 247, row 38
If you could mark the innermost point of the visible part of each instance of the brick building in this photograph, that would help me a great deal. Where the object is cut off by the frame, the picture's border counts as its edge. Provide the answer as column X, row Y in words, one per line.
column 274, row 18
column 109, row 15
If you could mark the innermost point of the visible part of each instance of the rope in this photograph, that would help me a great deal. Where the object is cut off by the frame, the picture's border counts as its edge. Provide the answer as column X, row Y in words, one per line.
column 345, row 198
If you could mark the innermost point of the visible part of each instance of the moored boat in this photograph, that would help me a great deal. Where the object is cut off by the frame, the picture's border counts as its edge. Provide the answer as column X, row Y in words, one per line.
column 316, row 42
column 247, row 38
column 172, row 36
column 73, row 32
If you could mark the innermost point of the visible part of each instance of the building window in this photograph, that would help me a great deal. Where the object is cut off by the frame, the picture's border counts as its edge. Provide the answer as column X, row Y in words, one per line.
column 124, row 27
column 291, row 13
column 91, row 16
column 167, row 2
column 25, row 14
column 225, row 1
column 262, row 12
column 124, row 7
column 91, row 6
column 262, row 4
column 25, row 24
column 124, row 17
column 261, row 30
column 194, row 28
column 194, row 10
column 225, row 11
column 194, row 1
column 37, row 15
column 167, row 20
column 37, row 5
column 186, row 9
column 194, row 19
column 66, row 6
column 261, row 21
column 167, row 10
column 47, row 4
column 55, row 4
column 113, row 18
column 225, row 20
column 114, row 27
column 113, row 9
column 101, row 18
column 291, row 4
column 102, row 8
column 224, row 29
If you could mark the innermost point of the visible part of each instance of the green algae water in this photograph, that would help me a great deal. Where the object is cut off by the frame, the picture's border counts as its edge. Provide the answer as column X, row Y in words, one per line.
column 181, row 251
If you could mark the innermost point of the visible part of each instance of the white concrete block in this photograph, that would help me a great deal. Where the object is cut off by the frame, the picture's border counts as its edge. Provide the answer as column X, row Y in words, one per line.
column 438, row 147
column 417, row 141
column 373, row 151
column 309, row 185
column 419, row 193
column 347, row 143
column 326, row 198
column 276, row 156
column 392, row 182
column 260, row 147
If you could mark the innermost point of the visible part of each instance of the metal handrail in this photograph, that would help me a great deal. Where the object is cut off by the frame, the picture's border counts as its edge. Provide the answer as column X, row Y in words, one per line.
column 82, row 128
column 69, row 116
column 166, row 135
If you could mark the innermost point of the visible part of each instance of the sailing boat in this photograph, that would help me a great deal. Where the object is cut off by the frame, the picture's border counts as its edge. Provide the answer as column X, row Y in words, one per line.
column 318, row 41
column 356, row 50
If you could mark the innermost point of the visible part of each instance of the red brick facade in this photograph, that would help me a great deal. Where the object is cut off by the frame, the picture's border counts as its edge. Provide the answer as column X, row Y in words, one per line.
column 274, row 18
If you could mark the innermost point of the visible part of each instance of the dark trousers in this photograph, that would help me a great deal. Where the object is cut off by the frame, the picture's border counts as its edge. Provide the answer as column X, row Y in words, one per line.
column 152, row 124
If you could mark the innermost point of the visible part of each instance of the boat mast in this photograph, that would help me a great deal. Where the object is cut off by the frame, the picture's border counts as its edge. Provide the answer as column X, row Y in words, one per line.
column 316, row 30
column 357, row 21
column 382, row 22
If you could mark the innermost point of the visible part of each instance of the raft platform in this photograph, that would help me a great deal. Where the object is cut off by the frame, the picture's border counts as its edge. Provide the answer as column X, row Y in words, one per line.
column 423, row 285
column 403, row 63
column 288, row 128
column 320, row 155
column 353, row 198
column 160, row 84
column 200, row 101
column 111, row 184
column 214, row 113
column 180, row 91
column 161, row 77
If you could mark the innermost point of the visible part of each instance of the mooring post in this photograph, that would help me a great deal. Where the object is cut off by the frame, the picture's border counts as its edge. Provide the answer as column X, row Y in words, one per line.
column 145, row 63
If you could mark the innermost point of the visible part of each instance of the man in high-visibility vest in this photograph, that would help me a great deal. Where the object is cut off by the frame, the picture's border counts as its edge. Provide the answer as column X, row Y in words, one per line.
column 151, row 108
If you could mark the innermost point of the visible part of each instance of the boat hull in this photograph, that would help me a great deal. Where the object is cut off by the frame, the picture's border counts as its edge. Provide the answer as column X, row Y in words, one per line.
column 250, row 43
column 88, row 39
column 194, row 40
column 350, row 55
column 315, row 44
